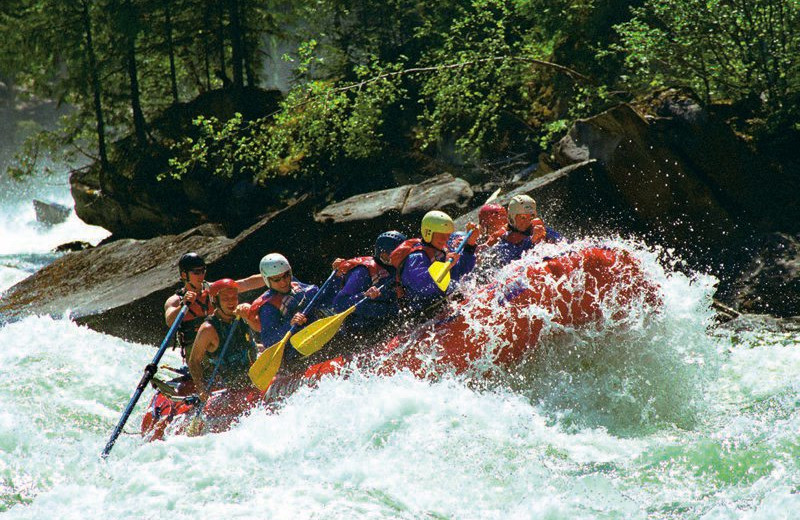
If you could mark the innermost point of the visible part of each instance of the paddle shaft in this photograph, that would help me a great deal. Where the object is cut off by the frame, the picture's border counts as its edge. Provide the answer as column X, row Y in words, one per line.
column 450, row 262
column 210, row 381
column 221, row 358
column 329, row 325
column 308, row 308
column 149, row 372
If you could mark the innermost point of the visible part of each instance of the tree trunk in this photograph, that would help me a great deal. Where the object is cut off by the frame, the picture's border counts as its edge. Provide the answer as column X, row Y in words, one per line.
column 222, row 73
column 236, row 44
column 207, row 43
column 96, row 92
column 133, row 77
column 171, row 49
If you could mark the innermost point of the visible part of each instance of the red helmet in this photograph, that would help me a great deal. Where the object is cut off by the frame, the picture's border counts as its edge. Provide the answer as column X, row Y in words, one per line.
column 492, row 215
column 219, row 285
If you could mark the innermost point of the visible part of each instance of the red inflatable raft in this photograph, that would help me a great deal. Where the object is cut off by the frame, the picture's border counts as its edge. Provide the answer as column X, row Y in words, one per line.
column 499, row 322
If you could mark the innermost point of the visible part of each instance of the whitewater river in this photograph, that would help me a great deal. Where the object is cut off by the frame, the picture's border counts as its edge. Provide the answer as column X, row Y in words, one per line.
column 661, row 415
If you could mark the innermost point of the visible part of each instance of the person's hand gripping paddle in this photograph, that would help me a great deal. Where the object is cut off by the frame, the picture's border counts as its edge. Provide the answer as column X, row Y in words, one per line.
column 263, row 370
column 440, row 271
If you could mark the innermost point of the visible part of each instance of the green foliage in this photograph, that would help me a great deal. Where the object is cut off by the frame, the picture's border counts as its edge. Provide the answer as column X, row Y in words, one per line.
column 461, row 72
column 731, row 49
column 374, row 78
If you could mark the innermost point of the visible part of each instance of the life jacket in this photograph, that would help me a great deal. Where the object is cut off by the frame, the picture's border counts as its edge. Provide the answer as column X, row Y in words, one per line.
column 196, row 314
column 514, row 236
column 376, row 271
column 278, row 300
column 241, row 353
column 398, row 259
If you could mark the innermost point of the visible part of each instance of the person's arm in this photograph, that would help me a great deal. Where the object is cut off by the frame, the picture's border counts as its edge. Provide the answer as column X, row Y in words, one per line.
column 357, row 281
column 206, row 341
column 171, row 309
column 243, row 311
column 416, row 278
column 250, row 283
column 465, row 264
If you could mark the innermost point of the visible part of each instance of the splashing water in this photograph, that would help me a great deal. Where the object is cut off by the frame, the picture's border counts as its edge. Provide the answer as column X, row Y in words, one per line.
column 26, row 245
column 654, row 415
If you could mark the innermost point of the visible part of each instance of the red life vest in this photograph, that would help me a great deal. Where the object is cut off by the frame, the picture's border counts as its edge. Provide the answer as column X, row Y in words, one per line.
column 401, row 252
column 201, row 307
column 376, row 271
column 274, row 298
column 514, row 236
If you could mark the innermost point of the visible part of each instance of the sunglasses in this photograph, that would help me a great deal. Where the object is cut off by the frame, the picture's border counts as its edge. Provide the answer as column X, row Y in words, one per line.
column 198, row 270
column 279, row 277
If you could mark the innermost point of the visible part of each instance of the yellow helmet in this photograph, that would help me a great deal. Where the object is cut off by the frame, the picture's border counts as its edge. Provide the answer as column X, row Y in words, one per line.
column 436, row 222
column 521, row 205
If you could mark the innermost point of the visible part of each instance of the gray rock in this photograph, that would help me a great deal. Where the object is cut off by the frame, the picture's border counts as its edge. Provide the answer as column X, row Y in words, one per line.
column 50, row 213
column 119, row 287
column 685, row 176
column 440, row 192
column 365, row 206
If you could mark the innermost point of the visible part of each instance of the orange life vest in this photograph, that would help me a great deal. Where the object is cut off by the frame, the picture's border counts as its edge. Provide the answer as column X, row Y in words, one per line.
column 376, row 271
column 274, row 298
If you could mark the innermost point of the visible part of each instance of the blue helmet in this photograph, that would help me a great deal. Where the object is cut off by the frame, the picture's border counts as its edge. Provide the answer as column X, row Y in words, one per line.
column 388, row 242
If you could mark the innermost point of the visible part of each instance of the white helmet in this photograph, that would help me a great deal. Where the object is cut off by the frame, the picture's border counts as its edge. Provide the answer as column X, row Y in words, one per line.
column 272, row 265
column 521, row 205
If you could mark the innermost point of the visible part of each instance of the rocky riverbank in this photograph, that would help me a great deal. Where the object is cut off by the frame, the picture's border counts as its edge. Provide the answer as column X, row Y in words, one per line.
column 668, row 171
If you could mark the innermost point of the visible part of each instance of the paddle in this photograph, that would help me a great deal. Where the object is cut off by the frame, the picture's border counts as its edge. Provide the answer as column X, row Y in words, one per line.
column 315, row 336
column 149, row 372
column 440, row 271
column 263, row 370
column 196, row 424
column 493, row 196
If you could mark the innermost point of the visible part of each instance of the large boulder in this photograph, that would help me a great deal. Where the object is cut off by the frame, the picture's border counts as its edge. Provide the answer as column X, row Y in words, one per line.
column 364, row 216
column 120, row 287
column 687, row 178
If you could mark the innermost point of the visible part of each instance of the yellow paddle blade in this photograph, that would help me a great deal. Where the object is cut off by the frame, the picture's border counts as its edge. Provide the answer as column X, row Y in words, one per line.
column 263, row 370
column 315, row 336
column 440, row 272
column 493, row 196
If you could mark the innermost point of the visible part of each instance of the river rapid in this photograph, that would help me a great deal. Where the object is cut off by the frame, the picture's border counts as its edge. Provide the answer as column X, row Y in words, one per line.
column 659, row 415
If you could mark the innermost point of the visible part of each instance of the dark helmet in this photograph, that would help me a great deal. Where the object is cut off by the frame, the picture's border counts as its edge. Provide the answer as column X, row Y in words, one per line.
column 388, row 242
column 190, row 261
